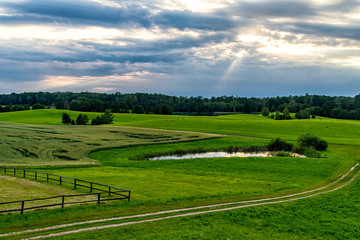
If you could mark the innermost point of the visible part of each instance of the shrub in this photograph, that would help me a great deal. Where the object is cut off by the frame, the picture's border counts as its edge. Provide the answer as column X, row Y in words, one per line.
column 279, row 145
column 310, row 140
column 38, row 106
column 311, row 152
column 288, row 117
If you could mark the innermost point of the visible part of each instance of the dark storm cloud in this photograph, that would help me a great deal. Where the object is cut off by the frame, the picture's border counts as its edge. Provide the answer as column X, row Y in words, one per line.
column 185, row 19
column 323, row 30
column 78, row 12
column 90, row 13
column 343, row 6
column 274, row 8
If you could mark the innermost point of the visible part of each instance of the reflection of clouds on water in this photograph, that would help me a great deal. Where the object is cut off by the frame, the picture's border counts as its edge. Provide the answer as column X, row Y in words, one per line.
column 219, row 155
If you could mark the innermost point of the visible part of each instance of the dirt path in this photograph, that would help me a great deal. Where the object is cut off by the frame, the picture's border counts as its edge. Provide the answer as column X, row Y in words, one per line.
column 220, row 207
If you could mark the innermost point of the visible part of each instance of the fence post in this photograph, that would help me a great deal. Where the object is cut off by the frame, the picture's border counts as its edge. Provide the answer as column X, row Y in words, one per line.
column 91, row 187
column 63, row 201
column 14, row 171
column 129, row 196
column 24, row 173
column 109, row 191
column 22, row 207
column 35, row 175
column 75, row 183
column 99, row 198
column 47, row 177
column 4, row 170
column 60, row 180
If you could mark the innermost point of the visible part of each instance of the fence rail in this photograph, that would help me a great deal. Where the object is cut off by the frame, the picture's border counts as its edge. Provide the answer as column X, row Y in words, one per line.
column 111, row 193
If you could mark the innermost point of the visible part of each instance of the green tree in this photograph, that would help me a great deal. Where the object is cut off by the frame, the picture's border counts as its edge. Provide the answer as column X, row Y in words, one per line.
column 82, row 119
column 119, row 107
column 106, row 118
column 75, row 105
column 166, row 109
column 139, row 109
column 286, row 111
column 66, row 118
column 265, row 111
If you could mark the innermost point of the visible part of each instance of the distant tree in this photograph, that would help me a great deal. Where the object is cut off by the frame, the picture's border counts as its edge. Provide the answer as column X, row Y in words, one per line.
column 265, row 111
column 344, row 114
column 82, row 119
column 157, row 109
column 335, row 112
column 119, row 107
column 26, row 106
column 66, row 118
column 316, row 110
column 59, row 105
column 75, row 105
column 106, row 118
column 166, row 109
column 17, row 107
column 72, row 122
column 357, row 114
column 139, row 109
column 328, row 107
column 29, row 100
column 38, row 106
column 303, row 114
column 278, row 116
column 148, row 109
column 286, row 111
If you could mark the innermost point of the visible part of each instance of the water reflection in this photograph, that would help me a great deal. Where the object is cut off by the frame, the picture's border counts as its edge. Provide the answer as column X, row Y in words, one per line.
column 218, row 155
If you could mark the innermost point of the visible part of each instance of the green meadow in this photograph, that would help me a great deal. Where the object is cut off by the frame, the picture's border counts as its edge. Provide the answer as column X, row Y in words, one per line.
column 335, row 131
column 117, row 155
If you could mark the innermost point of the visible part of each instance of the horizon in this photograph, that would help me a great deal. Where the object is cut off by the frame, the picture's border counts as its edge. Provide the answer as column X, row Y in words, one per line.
column 181, row 48
column 188, row 96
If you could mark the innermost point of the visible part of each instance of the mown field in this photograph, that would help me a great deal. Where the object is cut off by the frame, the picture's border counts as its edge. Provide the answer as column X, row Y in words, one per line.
column 34, row 145
column 120, row 161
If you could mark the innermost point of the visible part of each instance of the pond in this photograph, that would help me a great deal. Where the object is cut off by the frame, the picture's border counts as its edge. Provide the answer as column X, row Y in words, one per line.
column 220, row 155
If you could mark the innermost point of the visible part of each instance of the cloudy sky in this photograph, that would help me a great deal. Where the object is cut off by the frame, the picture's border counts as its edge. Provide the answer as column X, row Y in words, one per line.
column 190, row 47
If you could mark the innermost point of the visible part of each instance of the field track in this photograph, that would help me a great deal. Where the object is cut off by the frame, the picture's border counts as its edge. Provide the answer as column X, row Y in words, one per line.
column 334, row 186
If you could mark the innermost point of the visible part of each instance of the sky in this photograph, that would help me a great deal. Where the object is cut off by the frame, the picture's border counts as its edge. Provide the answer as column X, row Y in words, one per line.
column 251, row 48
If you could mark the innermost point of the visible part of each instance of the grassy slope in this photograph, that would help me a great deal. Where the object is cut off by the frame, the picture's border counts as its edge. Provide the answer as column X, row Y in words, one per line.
column 330, row 216
column 334, row 130
column 184, row 178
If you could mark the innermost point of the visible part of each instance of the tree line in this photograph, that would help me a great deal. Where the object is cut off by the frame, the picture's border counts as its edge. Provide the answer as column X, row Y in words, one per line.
column 143, row 103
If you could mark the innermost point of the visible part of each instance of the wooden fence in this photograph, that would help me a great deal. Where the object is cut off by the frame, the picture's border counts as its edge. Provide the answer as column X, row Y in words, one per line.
column 105, row 192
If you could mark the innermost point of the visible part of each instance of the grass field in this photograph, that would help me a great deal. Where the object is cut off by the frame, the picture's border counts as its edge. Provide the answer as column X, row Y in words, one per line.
column 335, row 131
column 33, row 145
column 168, row 184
